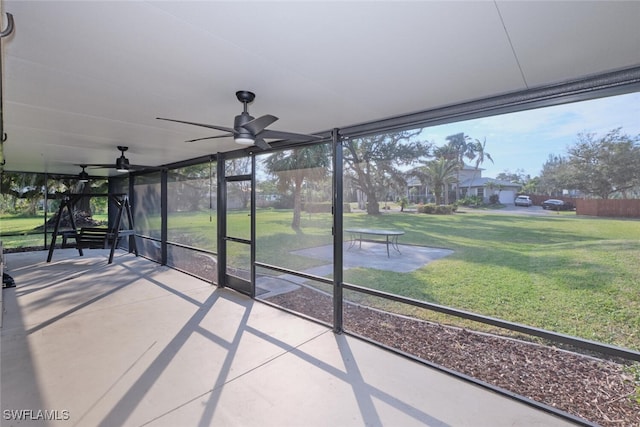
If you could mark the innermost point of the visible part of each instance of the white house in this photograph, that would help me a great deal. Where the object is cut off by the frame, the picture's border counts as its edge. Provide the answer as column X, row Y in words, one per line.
column 480, row 187
column 472, row 183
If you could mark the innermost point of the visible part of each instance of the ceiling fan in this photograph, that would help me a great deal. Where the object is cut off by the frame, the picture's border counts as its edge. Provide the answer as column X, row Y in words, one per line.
column 121, row 165
column 248, row 130
column 83, row 176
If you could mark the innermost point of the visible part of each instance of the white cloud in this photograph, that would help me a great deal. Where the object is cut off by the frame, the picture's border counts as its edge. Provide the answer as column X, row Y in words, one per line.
column 525, row 139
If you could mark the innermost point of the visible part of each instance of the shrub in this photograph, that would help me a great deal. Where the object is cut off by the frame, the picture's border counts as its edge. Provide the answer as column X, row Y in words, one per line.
column 433, row 209
column 429, row 208
column 471, row 201
column 494, row 199
column 444, row 210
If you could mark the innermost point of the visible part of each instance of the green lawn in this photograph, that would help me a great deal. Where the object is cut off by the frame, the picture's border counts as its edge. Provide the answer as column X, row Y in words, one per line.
column 569, row 274
column 30, row 229
column 18, row 223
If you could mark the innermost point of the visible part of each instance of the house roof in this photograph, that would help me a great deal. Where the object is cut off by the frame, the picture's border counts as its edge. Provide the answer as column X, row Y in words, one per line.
column 81, row 78
column 481, row 182
column 467, row 167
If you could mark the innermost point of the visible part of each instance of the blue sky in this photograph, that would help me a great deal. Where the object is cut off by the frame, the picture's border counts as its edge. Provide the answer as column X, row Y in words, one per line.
column 524, row 140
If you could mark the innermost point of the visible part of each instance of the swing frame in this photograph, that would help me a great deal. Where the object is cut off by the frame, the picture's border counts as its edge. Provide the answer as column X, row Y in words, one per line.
column 94, row 237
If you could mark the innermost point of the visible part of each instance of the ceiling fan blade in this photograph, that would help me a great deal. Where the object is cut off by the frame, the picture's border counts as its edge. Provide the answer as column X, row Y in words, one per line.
column 143, row 167
column 261, row 143
column 204, row 125
column 288, row 136
column 209, row 137
column 256, row 126
column 128, row 167
column 137, row 168
column 101, row 166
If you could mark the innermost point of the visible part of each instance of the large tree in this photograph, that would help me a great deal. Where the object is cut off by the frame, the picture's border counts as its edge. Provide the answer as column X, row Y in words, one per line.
column 24, row 187
column 553, row 177
column 518, row 177
column 293, row 167
column 602, row 166
column 191, row 187
column 529, row 185
column 375, row 163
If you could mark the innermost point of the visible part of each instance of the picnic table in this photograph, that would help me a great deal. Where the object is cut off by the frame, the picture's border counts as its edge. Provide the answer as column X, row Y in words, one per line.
column 391, row 237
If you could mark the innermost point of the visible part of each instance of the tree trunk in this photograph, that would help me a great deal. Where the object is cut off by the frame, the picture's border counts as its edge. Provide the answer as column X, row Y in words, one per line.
column 297, row 204
column 33, row 204
column 438, row 195
column 373, row 207
column 84, row 203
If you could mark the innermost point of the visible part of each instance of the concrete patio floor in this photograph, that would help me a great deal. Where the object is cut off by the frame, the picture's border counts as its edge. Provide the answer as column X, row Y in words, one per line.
column 137, row 344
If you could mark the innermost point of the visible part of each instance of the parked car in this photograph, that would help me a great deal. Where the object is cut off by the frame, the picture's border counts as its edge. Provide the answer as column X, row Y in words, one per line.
column 523, row 201
column 557, row 205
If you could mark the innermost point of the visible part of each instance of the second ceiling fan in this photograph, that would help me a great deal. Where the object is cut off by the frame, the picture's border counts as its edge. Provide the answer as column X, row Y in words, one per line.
column 121, row 165
column 248, row 130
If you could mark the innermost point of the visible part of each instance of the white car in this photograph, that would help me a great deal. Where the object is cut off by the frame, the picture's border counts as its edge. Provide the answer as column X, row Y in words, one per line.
column 523, row 201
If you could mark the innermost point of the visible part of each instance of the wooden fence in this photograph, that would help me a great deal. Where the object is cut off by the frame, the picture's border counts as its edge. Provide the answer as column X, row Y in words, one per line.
column 617, row 208
column 614, row 208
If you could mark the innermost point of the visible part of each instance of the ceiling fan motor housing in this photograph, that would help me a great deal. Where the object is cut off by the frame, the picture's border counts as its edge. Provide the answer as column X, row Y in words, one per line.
column 122, row 163
column 243, row 136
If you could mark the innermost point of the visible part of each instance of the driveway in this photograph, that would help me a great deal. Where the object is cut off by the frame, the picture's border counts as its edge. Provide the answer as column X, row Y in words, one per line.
column 511, row 209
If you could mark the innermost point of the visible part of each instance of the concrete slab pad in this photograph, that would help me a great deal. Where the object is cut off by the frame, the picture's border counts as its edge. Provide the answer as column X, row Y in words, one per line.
column 374, row 255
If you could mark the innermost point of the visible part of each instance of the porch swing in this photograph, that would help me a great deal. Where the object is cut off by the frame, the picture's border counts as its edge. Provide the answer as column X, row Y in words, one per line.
column 94, row 237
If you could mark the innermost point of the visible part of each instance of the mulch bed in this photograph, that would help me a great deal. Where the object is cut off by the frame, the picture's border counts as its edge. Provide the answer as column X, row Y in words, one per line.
column 597, row 390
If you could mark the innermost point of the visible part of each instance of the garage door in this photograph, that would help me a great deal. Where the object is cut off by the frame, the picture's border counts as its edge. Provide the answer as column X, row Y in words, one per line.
column 507, row 197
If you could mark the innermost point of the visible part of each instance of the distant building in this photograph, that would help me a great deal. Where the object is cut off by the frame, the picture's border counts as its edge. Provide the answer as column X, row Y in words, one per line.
column 472, row 183
column 486, row 187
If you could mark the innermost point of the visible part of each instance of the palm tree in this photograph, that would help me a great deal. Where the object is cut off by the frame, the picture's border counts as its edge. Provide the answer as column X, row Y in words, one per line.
column 447, row 151
column 438, row 173
column 479, row 156
column 460, row 145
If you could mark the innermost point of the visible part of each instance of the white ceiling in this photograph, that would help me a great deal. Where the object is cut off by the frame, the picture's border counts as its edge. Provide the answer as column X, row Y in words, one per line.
column 81, row 78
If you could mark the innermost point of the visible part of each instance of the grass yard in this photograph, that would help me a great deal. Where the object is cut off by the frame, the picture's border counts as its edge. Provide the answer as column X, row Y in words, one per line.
column 196, row 229
column 19, row 223
column 568, row 274
column 26, row 230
